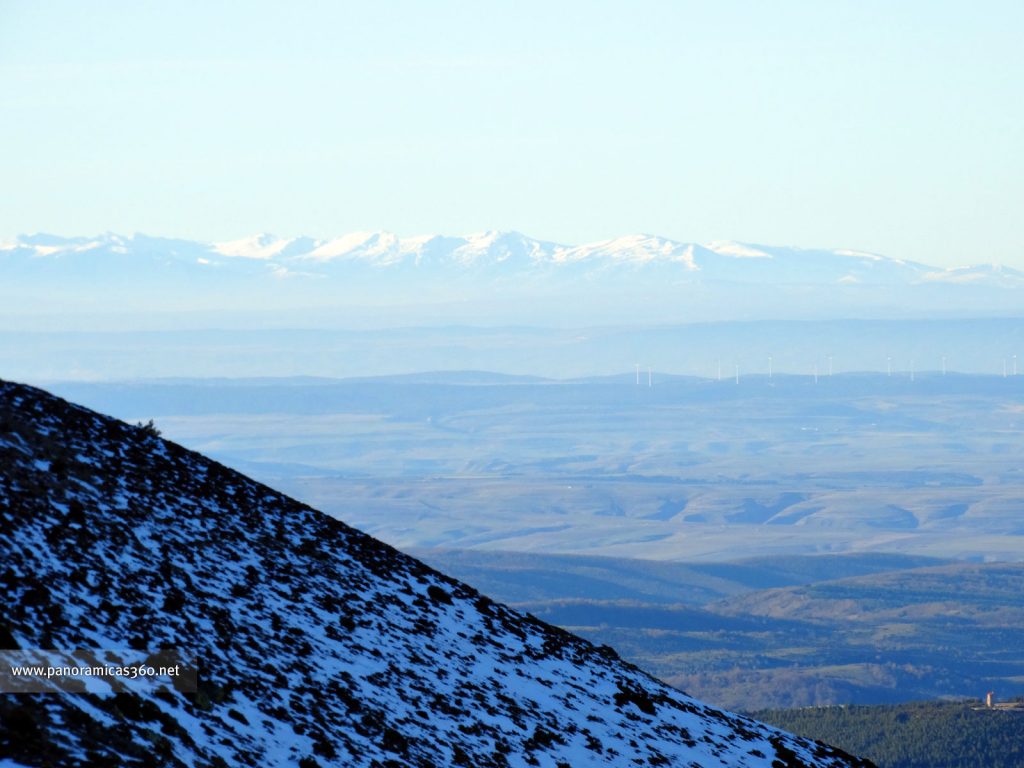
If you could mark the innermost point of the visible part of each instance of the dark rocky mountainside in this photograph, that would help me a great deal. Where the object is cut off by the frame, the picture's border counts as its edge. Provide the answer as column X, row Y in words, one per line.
column 316, row 644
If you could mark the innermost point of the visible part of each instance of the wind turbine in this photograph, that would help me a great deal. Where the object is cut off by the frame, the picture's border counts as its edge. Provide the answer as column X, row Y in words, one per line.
column 637, row 374
column 830, row 365
column 737, row 373
column 888, row 366
column 943, row 365
column 769, row 367
column 648, row 376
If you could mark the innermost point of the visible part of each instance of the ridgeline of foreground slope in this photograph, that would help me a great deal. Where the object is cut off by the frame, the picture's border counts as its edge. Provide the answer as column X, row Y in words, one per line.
column 316, row 644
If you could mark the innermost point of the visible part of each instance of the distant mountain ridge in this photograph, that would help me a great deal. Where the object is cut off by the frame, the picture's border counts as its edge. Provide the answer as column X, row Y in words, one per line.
column 489, row 277
column 716, row 260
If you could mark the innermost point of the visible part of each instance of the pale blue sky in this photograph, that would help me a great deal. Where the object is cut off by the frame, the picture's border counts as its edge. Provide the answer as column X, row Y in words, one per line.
column 892, row 127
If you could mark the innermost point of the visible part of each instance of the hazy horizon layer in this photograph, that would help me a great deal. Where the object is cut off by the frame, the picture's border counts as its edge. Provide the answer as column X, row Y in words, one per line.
column 706, row 350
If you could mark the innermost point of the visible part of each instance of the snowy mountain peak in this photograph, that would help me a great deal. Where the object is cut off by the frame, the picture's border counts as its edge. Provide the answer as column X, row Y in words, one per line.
column 375, row 246
column 979, row 273
column 44, row 244
column 637, row 249
column 495, row 246
column 259, row 246
column 739, row 250
column 263, row 246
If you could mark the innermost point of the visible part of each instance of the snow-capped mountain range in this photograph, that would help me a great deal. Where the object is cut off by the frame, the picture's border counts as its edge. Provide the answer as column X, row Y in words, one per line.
column 669, row 280
column 716, row 260
column 316, row 645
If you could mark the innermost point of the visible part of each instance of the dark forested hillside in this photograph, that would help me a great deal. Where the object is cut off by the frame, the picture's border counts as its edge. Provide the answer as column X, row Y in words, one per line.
column 836, row 629
column 918, row 735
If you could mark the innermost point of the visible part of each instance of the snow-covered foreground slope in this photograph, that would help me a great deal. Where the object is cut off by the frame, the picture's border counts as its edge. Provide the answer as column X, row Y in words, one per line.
column 316, row 644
